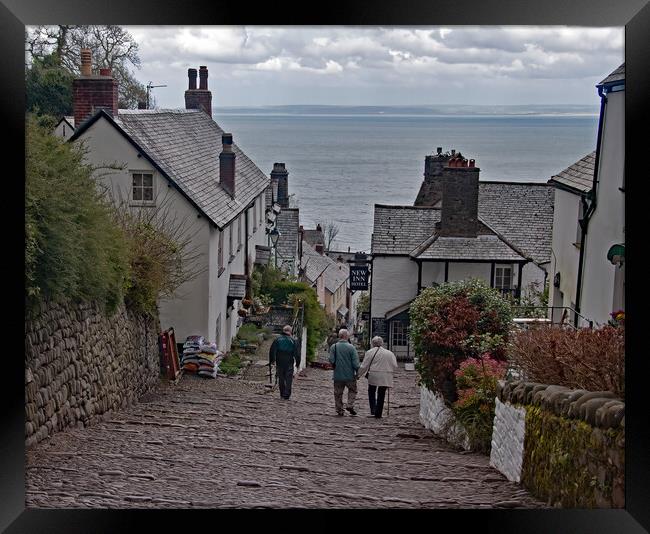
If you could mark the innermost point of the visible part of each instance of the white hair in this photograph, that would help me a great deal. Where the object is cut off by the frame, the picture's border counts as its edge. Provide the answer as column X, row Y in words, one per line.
column 343, row 333
column 377, row 341
column 287, row 329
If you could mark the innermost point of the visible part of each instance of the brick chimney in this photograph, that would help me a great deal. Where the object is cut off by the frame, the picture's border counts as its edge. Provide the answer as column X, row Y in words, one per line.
column 280, row 184
column 459, row 217
column 320, row 248
column 200, row 98
column 92, row 92
column 227, row 165
column 430, row 192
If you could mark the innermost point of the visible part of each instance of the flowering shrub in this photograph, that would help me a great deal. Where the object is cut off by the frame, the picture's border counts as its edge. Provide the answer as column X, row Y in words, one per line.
column 585, row 359
column 453, row 322
column 476, row 383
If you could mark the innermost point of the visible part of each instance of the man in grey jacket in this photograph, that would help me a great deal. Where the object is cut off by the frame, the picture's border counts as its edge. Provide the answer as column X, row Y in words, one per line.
column 344, row 358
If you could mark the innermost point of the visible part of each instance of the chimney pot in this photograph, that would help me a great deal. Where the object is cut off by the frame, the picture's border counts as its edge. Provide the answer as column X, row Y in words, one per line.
column 472, row 163
column 453, row 152
column 86, row 62
column 203, row 78
column 191, row 76
column 439, row 150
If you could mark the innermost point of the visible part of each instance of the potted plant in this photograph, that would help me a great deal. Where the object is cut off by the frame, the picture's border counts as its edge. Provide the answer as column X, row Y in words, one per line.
column 242, row 312
column 247, row 302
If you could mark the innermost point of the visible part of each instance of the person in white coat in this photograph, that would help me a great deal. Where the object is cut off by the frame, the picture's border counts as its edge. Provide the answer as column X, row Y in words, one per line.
column 378, row 366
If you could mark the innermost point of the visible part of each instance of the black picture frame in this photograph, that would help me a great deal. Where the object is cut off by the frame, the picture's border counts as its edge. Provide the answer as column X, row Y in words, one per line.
column 634, row 14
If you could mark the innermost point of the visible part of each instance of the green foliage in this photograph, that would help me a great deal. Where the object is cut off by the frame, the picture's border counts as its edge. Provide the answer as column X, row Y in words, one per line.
column 534, row 301
column 48, row 87
column 231, row 364
column 73, row 247
column 569, row 463
column 453, row 322
column 275, row 287
column 476, row 383
column 249, row 332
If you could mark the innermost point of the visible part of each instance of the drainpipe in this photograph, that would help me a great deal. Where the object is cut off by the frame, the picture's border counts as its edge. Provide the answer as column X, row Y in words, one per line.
column 591, row 207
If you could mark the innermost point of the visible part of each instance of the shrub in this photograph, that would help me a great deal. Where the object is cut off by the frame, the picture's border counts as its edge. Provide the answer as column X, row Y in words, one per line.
column 476, row 382
column 453, row 322
column 73, row 246
column 230, row 364
column 586, row 359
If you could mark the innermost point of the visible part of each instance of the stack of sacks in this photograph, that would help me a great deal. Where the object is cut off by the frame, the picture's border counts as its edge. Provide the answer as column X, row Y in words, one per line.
column 209, row 359
column 191, row 351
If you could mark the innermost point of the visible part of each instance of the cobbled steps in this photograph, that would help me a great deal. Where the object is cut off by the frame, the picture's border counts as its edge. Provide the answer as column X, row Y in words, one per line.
column 229, row 443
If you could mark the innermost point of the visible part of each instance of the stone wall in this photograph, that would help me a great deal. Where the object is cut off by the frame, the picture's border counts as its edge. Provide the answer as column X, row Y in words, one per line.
column 566, row 446
column 80, row 364
column 436, row 416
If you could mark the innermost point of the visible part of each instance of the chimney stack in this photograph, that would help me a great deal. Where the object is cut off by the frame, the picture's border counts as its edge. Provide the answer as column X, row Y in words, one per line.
column 459, row 216
column 93, row 92
column 430, row 192
column 280, row 184
column 227, row 165
column 320, row 248
column 200, row 98
column 142, row 105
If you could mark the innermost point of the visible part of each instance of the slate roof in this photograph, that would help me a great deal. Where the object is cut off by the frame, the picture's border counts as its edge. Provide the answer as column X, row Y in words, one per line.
column 520, row 214
column 482, row 247
column 400, row 229
column 314, row 264
column 287, row 224
column 579, row 176
column 314, row 237
column 617, row 75
column 186, row 145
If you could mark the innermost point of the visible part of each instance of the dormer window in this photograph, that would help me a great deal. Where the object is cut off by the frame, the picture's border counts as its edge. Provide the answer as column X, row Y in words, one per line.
column 142, row 191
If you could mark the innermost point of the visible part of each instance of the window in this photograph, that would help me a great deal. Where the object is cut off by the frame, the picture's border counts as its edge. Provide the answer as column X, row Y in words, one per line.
column 220, row 253
column 503, row 277
column 231, row 240
column 142, row 188
column 398, row 334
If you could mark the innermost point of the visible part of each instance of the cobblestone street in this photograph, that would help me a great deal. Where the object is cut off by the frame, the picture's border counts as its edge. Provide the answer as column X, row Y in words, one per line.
column 228, row 443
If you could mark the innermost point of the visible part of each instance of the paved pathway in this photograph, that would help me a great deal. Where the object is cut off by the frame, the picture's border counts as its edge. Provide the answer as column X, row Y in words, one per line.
column 228, row 443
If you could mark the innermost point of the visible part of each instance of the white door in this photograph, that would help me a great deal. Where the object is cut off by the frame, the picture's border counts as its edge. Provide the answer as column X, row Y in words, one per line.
column 399, row 340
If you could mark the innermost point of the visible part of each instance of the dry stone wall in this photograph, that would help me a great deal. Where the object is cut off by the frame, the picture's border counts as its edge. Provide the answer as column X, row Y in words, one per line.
column 80, row 364
column 566, row 446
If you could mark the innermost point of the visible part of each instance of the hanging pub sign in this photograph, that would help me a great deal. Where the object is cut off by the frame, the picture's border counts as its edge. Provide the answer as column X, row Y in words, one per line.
column 359, row 277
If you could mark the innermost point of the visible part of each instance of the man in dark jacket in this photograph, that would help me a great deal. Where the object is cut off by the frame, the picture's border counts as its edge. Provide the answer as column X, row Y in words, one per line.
column 284, row 351
column 345, row 359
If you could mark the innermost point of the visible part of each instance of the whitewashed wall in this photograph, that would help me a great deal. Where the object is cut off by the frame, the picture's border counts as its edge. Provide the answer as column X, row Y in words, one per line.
column 565, row 255
column 394, row 282
column 464, row 271
column 184, row 312
column 606, row 226
column 437, row 417
column 433, row 271
column 531, row 273
column 508, row 435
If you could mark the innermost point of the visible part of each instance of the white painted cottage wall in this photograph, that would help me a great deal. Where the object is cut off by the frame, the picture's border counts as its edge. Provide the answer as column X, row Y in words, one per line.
column 184, row 312
column 394, row 282
column 606, row 226
column 565, row 255
column 465, row 271
column 432, row 271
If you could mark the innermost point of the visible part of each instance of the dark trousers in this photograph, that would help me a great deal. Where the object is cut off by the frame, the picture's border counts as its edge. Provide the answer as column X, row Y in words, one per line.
column 285, row 378
column 376, row 396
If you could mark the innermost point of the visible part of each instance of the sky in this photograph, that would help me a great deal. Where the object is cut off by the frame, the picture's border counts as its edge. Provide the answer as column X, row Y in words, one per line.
column 275, row 65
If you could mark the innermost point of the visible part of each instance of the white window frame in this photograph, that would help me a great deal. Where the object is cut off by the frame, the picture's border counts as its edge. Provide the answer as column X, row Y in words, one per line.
column 402, row 334
column 142, row 202
column 499, row 276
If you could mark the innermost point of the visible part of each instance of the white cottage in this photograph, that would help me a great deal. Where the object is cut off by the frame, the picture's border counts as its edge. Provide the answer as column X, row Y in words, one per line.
column 593, row 283
column 460, row 228
column 182, row 157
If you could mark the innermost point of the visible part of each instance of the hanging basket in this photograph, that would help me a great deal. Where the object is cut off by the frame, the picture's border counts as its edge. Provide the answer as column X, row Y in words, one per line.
column 242, row 313
column 246, row 303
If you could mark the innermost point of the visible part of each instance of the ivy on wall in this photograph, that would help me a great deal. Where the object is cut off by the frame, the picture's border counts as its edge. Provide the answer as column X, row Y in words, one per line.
column 572, row 464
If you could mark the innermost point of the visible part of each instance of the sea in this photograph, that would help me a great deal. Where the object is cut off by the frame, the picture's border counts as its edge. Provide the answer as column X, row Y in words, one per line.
column 342, row 160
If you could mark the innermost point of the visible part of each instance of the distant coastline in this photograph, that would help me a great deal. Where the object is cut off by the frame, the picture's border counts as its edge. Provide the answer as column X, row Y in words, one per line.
column 411, row 111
